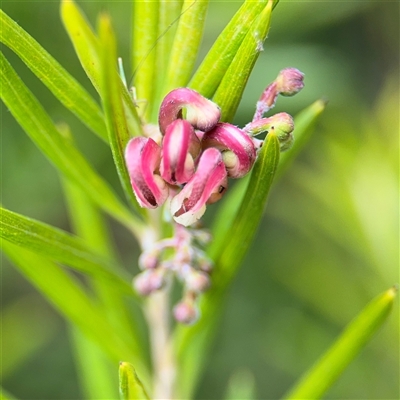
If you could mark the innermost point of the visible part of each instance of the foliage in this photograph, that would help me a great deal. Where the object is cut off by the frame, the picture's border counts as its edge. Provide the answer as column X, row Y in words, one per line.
column 82, row 275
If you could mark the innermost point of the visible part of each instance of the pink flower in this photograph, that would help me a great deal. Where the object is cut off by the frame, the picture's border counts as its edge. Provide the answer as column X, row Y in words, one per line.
column 238, row 151
column 206, row 186
column 143, row 156
column 202, row 113
column 180, row 147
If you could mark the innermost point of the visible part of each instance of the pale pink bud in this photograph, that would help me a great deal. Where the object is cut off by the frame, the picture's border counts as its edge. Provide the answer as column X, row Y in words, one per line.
column 149, row 259
column 143, row 156
column 180, row 147
column 186, row 312
column 149, row 281
column 281, row 124
column 202, row 113
column 209, row 179
column 197, row 281
column 290, row 81
column 237, row 148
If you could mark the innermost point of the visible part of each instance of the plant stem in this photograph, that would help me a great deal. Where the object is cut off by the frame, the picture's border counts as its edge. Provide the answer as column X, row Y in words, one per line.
column 157, row 313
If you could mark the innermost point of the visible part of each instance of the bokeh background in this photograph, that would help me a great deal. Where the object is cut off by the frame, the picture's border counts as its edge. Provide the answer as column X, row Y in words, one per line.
column 326, row 246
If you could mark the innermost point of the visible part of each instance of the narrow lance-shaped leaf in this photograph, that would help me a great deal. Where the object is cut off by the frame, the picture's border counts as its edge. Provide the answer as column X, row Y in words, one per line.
column 111, row 94
column 193, row 342
column 229, row 92
column 303, row 128
column 59, row 246
column 144, row 23
column 88, row 223
column 217, row 61
column 186, row 44
column 70, row 299
column 93, row 367
column 168, row 16
column 53, row 75
column 87, row 48
column 84, row 40
column 328, row 369
column 130, row 386
column 58, row 149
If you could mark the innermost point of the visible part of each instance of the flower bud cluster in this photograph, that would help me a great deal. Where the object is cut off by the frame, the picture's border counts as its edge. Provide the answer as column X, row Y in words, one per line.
column 192, row 161
column 181, row 256
column 189, row 164
column 186, row 162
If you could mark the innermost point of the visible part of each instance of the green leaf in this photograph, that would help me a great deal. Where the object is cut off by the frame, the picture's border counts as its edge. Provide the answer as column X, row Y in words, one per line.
column 87, row 47
column 70, row 299
column 94, row 369
column 84, row 40
column 168, row 16
column 230, row 90
column 304, row 124
column 71, row 94
column 356, row 335
column 58, row 149
column 186, row 44
column 130, row 386
column 192, row 342
column 144, row 24
column 111, row 94
column 88, row 223
column 61, row 247
column 217, row 61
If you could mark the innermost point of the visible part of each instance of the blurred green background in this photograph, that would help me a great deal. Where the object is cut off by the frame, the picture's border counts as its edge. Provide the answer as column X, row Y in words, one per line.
column 328, row 242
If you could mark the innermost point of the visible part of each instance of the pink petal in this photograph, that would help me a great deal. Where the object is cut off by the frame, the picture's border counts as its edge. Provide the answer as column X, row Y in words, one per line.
column 209, row 179
column 202, row 113
column 180, row 147
column 143, row 157
column 239, row 152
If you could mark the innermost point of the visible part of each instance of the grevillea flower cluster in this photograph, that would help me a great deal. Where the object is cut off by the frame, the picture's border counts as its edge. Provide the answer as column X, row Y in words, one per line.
column 186, row 163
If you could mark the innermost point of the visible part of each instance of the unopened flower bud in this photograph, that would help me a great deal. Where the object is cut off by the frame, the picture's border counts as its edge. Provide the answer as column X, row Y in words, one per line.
column 186, row 312
column 202, row 113
column 143, row 158
column 149, row 281
column 239, row 153
column 197, row 281
column 149, row 259
column 180, row 147
column 289, row 81
column 281, row 124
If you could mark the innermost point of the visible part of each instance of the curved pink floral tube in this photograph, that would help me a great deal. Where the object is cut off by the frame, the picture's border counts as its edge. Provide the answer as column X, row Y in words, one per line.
column 143, row 156
column 207, row 185
column 180, row 148
column 238, row 150
column 202, row 113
